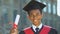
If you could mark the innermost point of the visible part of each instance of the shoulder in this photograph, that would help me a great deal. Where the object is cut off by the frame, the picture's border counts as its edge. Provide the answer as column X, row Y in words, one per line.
column 22, row 32
column 27, row 28
column 47, row 26
column 53, row 31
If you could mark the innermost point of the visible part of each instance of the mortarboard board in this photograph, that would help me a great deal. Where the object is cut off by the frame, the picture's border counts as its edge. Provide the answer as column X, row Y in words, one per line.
column 33, row 4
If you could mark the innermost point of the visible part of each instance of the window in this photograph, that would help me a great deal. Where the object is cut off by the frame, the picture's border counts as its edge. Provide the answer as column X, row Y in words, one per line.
column 45, row 7
column 54, row 9
column 58, row 7
column 49, row 8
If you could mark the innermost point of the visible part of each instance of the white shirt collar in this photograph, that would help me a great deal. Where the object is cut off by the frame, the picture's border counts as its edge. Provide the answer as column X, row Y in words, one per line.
column 34, row 27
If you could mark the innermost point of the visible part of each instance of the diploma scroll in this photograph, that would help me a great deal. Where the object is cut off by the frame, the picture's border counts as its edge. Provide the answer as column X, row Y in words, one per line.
column 16, row 21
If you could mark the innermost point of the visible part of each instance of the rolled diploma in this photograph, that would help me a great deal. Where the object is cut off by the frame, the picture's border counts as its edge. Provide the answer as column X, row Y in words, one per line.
column 16, row 21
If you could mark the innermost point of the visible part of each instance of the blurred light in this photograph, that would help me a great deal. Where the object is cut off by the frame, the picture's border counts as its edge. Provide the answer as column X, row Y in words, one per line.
column 58, row 7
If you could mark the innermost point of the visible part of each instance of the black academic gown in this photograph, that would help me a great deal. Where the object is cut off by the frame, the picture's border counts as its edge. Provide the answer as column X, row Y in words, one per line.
column 52, row 31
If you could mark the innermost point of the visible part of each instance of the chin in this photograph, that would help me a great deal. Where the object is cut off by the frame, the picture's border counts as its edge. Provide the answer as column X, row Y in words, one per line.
column 35, row 23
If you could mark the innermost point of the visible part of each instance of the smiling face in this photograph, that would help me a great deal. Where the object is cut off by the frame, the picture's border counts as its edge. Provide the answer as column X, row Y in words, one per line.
column 35, row 16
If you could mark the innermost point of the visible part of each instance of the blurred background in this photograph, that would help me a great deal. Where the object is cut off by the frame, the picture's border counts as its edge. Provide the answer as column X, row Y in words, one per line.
column 10, row 8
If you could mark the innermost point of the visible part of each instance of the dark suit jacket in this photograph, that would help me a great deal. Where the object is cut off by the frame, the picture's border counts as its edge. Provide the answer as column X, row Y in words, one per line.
column 52, row 31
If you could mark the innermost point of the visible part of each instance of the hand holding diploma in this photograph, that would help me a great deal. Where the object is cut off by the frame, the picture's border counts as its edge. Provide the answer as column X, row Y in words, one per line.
column 14, row 30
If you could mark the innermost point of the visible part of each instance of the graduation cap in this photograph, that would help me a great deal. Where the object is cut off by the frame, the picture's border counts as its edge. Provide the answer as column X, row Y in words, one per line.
column 33, row 4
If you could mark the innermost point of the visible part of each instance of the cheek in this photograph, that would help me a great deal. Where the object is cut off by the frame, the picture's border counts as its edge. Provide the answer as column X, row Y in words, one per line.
column 39, row 17
column 31, row 18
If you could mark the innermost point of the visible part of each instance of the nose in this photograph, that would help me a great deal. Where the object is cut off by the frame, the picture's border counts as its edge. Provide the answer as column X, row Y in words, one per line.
column 34, row 17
